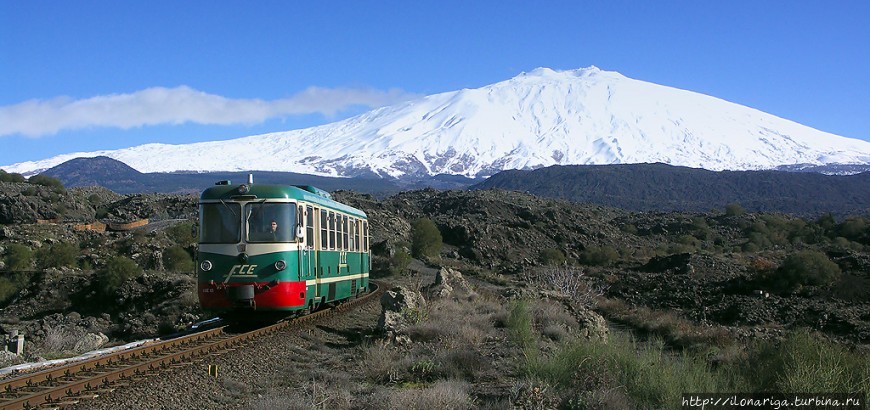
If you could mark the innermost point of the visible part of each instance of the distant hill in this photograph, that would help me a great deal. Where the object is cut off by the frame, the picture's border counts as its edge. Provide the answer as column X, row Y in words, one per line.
column 118, row 177
column 646, row 187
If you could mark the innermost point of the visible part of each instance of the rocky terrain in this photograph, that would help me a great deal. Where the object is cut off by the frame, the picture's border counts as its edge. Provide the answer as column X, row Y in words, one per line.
column 696, row 279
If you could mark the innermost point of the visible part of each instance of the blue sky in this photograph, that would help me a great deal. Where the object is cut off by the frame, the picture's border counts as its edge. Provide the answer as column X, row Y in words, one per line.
column 91, row 75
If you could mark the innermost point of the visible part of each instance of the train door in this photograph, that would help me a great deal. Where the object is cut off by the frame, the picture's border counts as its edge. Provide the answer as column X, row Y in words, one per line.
column 310, row 241
column 324, row 246
column 304, row 247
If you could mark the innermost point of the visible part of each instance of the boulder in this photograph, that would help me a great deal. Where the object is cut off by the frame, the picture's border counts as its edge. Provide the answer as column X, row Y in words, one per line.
column 91, row 341
column 450, row 283
column 592, row 325
column 400, row 308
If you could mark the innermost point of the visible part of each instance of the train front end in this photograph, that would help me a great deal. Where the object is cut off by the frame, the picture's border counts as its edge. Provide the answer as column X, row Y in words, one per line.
column 249, row 250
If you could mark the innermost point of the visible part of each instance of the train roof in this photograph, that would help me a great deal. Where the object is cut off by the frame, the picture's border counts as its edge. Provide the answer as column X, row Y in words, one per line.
column 305, row 193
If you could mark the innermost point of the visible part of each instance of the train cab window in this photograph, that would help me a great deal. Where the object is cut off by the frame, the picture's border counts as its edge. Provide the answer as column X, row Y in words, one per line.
column 220, row 222
column 324, row 229
column 332, row 243
column 270, row 221
column 309, row 226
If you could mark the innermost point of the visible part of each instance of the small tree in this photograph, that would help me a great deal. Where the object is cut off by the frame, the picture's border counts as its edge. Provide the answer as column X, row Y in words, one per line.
column 811, row 268
column 599, row 256
column 177, row 259
column 182, row 234
column 118, row 270
column 58, row 255
column 11, row 177
column 47, row 181
column 734, row 209
column 400, row 261
column 552, row 256
column 18, row 257
column 425, row 238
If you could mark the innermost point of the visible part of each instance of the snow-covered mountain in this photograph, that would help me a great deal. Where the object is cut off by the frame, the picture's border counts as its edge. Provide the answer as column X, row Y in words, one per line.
column 536, row 119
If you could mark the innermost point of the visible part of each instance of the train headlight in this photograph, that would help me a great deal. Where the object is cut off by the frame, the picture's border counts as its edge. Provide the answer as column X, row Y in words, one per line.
column 280, row 265
column 205, row 266
column 243, row 189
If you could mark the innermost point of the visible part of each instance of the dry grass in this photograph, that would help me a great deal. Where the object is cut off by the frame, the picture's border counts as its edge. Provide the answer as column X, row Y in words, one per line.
column 443, row 394
column 674, row 329
column 384, row 364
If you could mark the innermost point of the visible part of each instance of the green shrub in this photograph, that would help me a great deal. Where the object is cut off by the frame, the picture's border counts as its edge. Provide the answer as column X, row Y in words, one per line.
column 10, row 177
column 425, row 238
column 118, row 270
column 811, row 268
column 734, row 209
column 552, row 256
column 47, row 181
column 181, row 234
column 18, row 257
column 11, row 285
column 805, row 363
column 8, row 288
column 177, row 259
column 400, row 261
column 855, row 229
column 599, row 255
column 519, row 326
column 58, row 255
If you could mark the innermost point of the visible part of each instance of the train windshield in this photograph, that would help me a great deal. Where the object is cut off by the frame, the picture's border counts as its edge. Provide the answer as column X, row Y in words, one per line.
column 270, row 221
column 219, row 222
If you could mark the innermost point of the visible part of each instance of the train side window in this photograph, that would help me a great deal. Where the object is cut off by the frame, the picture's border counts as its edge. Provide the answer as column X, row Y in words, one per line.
column 339, row 232
column 352, row 224
column 356, row 235
column 366, row 236
column 332, row 243
column 344, row 231
column 324, row 229
column 309, row 226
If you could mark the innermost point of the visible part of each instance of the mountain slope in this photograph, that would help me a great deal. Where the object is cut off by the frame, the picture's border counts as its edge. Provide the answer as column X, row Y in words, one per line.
column 537, row 119
column 661, row 187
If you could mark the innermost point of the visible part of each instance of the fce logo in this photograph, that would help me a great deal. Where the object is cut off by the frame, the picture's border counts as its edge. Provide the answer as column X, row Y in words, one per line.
column 242, row 269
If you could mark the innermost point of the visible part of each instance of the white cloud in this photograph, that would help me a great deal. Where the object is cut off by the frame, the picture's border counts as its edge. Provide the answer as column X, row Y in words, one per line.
column 159, row 105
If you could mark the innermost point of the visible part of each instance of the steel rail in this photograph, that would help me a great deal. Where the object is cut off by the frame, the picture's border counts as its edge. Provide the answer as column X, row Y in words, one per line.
column 73, row 381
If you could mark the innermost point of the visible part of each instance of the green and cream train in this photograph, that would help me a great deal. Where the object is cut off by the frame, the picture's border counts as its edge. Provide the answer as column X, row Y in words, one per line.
column 278, row 248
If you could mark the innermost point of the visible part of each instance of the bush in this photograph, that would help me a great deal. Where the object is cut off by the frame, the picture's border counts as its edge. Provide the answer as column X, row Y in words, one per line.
column 176, row 258
column 598, row 256
column 8, row 288
column 10, row 285
column 47, row 181
column 811, row 268
column 552, row 256
column 805, row 363
column 425, row 238
column 118, row 270
column 734, row 209
column 400, row 261
column 58, row 255
column 18, row 257
column 181, row 234
column 854, row 229
column 10, row 177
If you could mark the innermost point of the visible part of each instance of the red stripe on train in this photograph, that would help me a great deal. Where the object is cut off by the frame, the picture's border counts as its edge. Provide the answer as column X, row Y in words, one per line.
column 266, row 297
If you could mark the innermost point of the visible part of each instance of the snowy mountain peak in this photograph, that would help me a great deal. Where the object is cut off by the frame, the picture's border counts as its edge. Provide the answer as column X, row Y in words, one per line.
column 536, row 119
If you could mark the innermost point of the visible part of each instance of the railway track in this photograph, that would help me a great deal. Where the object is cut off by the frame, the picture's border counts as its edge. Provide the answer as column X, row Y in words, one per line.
column 68, row 384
